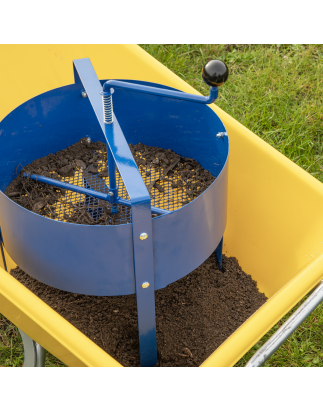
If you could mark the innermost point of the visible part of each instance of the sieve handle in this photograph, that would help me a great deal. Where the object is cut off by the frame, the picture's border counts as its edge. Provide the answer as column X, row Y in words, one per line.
column 214, row 73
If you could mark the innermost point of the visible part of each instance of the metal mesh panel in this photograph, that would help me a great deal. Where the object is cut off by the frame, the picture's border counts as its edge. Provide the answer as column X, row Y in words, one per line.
column 169, row 194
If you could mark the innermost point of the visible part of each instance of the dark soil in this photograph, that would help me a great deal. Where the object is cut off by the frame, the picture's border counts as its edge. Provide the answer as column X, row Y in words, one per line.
column 194, row 315
column 171, row 180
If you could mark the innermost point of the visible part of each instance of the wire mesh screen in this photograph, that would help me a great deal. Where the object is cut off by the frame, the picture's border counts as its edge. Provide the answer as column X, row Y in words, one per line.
column 166, row 192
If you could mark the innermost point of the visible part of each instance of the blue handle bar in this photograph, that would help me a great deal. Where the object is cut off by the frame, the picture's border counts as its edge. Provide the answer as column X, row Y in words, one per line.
column 115, row 84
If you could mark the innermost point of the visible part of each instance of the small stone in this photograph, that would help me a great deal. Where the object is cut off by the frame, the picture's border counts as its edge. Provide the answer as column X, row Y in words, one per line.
column 39, row 205
column 14, row 194
column 66, row 171
column 80, row 164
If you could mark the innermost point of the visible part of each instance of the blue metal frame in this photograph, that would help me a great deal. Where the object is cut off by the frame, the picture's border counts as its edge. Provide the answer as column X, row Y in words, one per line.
column 113, row 260
column 219, row 252
column 178, row 95
column 141, row 214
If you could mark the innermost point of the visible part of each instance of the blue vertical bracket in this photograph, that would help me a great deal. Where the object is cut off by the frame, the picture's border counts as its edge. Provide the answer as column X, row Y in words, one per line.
column 141, row 215
column 218, row 253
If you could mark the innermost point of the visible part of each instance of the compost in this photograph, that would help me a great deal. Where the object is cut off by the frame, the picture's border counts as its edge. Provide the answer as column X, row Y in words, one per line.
column 194, row 315
column 171, row 180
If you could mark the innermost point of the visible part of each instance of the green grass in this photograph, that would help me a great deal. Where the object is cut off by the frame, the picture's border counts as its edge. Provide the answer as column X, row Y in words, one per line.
column 275, row 91
column 304, row 348
column 11, row 347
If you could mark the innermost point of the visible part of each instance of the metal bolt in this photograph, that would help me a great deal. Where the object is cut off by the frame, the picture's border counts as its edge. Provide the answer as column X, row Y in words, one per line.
column 88, row 140
column 143, row 236
column 84, row 94
column 222, row 134
column 110, row 193
column 145, row 284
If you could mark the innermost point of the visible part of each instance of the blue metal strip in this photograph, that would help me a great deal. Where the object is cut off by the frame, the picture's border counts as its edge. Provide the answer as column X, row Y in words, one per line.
column 141, row 216
column 218, row 253
column 115, row 84
column 67, row 186
column 112, row 172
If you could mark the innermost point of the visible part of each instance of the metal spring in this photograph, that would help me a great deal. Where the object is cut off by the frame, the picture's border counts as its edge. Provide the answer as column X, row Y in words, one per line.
column 107, row 109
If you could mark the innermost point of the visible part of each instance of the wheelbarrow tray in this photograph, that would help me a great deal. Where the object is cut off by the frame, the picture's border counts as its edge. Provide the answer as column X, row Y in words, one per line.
column 274, row 219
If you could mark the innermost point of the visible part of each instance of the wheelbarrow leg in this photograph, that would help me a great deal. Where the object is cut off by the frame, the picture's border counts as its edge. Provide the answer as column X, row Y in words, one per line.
column 2, row 252
column 34, row 354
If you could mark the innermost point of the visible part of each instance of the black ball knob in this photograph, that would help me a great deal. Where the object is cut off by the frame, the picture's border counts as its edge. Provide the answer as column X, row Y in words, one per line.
column 215, row 73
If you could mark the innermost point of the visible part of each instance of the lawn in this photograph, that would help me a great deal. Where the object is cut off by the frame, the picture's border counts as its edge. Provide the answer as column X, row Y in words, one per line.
column 275, row 91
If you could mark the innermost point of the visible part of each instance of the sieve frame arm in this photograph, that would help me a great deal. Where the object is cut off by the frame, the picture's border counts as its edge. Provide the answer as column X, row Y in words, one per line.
column 287, row 329
column 110, row 85
column 117, row 144
column 143, row 251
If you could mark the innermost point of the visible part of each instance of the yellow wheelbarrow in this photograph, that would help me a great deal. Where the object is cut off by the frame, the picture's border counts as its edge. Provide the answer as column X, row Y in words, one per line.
column 274, row 224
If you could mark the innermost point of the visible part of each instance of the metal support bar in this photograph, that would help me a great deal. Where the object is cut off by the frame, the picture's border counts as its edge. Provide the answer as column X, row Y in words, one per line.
column 287, row 329
column 86, row 191
column 141, row 215
column 113, row 189
column 178, row 95
column 67, row 186
column 34, row 354
column 218, row 253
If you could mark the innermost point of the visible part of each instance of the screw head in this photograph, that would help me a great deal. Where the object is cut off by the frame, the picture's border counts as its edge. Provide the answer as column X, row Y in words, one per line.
column 88, row 140
column 110, row 193
column 222, row 134
column 143, row 236
column 145, row 284
column 84, row 94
